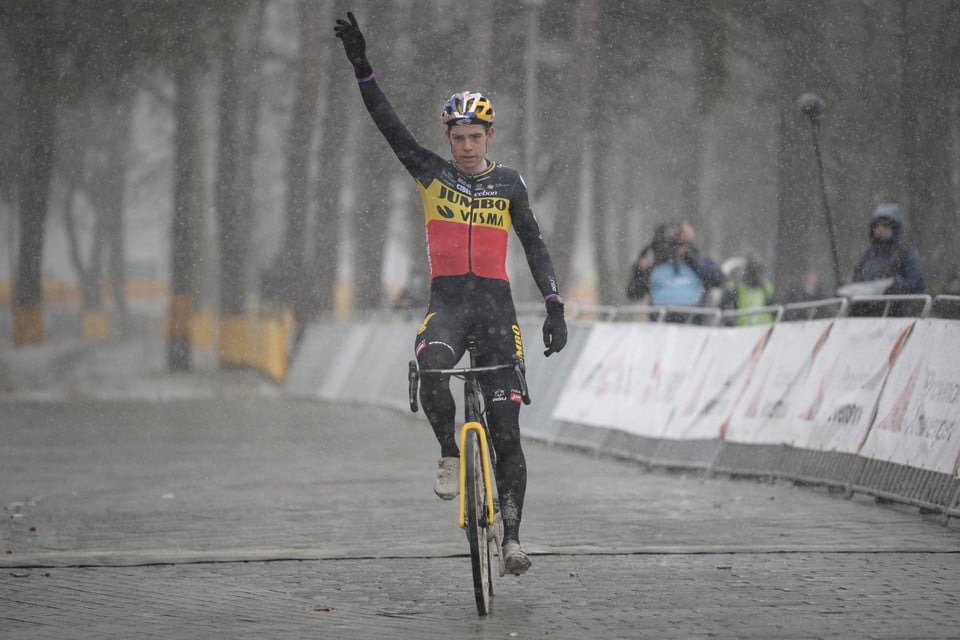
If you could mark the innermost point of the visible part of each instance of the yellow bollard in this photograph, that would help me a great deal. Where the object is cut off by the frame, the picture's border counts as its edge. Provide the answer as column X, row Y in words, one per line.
column 202, row 331
column 96, row 325
column 28, row 325
column 275, row 350
column 234, row 340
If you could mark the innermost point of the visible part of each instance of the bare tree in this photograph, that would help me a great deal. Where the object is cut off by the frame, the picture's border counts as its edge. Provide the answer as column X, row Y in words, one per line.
column 370, row 217
column 291, row 263
column 233, row 217
column 187, row 215
column 90, row 271
column 930, row 43
column 708, row 25
column 34, row 40
column 579, row 107
column 331, row 175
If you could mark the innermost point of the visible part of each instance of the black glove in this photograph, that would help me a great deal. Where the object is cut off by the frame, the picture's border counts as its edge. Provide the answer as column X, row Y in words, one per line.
column 354, row 45
column 554, row 328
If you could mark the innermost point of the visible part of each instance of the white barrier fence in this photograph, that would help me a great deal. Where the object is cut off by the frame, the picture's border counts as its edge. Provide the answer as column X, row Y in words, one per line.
column 865, row 404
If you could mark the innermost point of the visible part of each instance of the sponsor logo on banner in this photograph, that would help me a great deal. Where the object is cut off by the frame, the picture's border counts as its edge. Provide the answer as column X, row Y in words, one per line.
column 918, row 417
column 710, row 393
column 838, row 401
column 628, row 376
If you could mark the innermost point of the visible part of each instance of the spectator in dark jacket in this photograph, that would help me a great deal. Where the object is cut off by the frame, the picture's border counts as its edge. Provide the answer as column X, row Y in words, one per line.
column 888, row 258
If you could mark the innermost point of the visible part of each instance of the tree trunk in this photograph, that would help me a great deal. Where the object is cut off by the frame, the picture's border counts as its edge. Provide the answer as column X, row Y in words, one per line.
column 249, row 128
column 330, row 179
column 187, row 215
column 36, row 63
column 802, row 241
column 90, row 275
column 370, row 218
column 710, row 78
column 231, row 227
column 926, row 134
column 299, row 143
column 114, row 192
column 371, row 215
column 570, row 155
column 610, row 244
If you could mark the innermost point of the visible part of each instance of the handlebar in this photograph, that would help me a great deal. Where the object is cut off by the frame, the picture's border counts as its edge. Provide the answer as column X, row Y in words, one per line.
column 414, row 373
column 521, row 370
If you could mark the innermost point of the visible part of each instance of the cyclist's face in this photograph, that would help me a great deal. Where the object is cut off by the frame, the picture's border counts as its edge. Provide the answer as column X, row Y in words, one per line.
column 468, row 145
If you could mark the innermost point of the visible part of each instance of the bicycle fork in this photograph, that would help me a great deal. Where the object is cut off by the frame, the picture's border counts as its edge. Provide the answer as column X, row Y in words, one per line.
column 485, row 461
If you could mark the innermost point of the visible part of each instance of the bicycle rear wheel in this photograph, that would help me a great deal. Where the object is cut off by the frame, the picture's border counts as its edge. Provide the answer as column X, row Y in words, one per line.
column 475, row 517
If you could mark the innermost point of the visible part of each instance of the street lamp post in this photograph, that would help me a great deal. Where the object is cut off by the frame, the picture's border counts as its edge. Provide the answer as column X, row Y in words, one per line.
column 812, row 105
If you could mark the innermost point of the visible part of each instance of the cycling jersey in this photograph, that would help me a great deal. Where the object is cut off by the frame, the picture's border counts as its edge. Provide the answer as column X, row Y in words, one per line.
column 468, row 217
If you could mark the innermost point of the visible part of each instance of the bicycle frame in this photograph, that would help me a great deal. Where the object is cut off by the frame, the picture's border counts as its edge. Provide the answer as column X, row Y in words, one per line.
column 472, row 397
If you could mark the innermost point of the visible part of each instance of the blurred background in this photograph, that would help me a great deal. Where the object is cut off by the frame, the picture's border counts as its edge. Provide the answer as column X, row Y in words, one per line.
column 214, row 156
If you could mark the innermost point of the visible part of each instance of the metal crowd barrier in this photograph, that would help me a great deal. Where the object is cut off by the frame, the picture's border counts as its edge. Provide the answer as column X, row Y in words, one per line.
column 826, row 308
column 921, row 306
column 946, row 306
column 930, row 491
column 911, row 302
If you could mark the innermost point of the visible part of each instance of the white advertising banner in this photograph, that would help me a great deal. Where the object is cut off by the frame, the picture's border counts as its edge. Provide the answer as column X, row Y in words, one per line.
column 837, row 402
column 918, row 419
column 600, row 378
column 628, row 376
column 771, row 394
column 710, row 392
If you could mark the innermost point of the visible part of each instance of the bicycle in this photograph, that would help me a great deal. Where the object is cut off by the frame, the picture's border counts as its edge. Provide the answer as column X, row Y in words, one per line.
column 479, row 512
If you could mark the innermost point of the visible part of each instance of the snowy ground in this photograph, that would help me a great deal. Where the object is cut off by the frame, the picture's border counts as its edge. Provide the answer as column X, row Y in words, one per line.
column 131, row 363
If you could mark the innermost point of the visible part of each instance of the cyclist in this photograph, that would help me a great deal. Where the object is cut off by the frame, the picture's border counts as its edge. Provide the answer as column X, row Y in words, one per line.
column 470, row 204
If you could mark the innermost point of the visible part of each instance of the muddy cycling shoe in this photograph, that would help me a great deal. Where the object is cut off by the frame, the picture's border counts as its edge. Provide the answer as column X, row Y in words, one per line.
column 447, row 485
column 514, row 559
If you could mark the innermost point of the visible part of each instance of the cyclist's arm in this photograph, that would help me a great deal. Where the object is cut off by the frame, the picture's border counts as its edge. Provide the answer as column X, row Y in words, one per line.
column 415, row 158
column 528, row 230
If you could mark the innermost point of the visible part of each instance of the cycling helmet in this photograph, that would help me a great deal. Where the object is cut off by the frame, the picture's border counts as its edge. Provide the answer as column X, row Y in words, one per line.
column 467, row 107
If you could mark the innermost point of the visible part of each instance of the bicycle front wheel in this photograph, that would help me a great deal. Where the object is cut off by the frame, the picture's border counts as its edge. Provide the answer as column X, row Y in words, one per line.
column 475, row 518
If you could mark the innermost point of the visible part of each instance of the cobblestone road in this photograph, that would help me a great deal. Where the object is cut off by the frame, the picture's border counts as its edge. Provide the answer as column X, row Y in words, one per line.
column 211, row 510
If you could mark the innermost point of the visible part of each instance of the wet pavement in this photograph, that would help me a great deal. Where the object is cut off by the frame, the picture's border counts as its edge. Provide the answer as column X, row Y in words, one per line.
column 144, row 504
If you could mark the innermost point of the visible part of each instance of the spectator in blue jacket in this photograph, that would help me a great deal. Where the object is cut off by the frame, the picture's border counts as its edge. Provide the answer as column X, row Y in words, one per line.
column 672, row 272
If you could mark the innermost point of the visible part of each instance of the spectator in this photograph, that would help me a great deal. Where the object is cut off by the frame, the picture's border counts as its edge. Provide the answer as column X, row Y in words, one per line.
column 751, row 290
column 953, row 289
column 809, row 289
column 894, row 266
column 671, row 271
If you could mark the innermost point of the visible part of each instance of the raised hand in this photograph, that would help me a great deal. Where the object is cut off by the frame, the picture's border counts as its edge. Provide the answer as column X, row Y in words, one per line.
column 354, row 44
